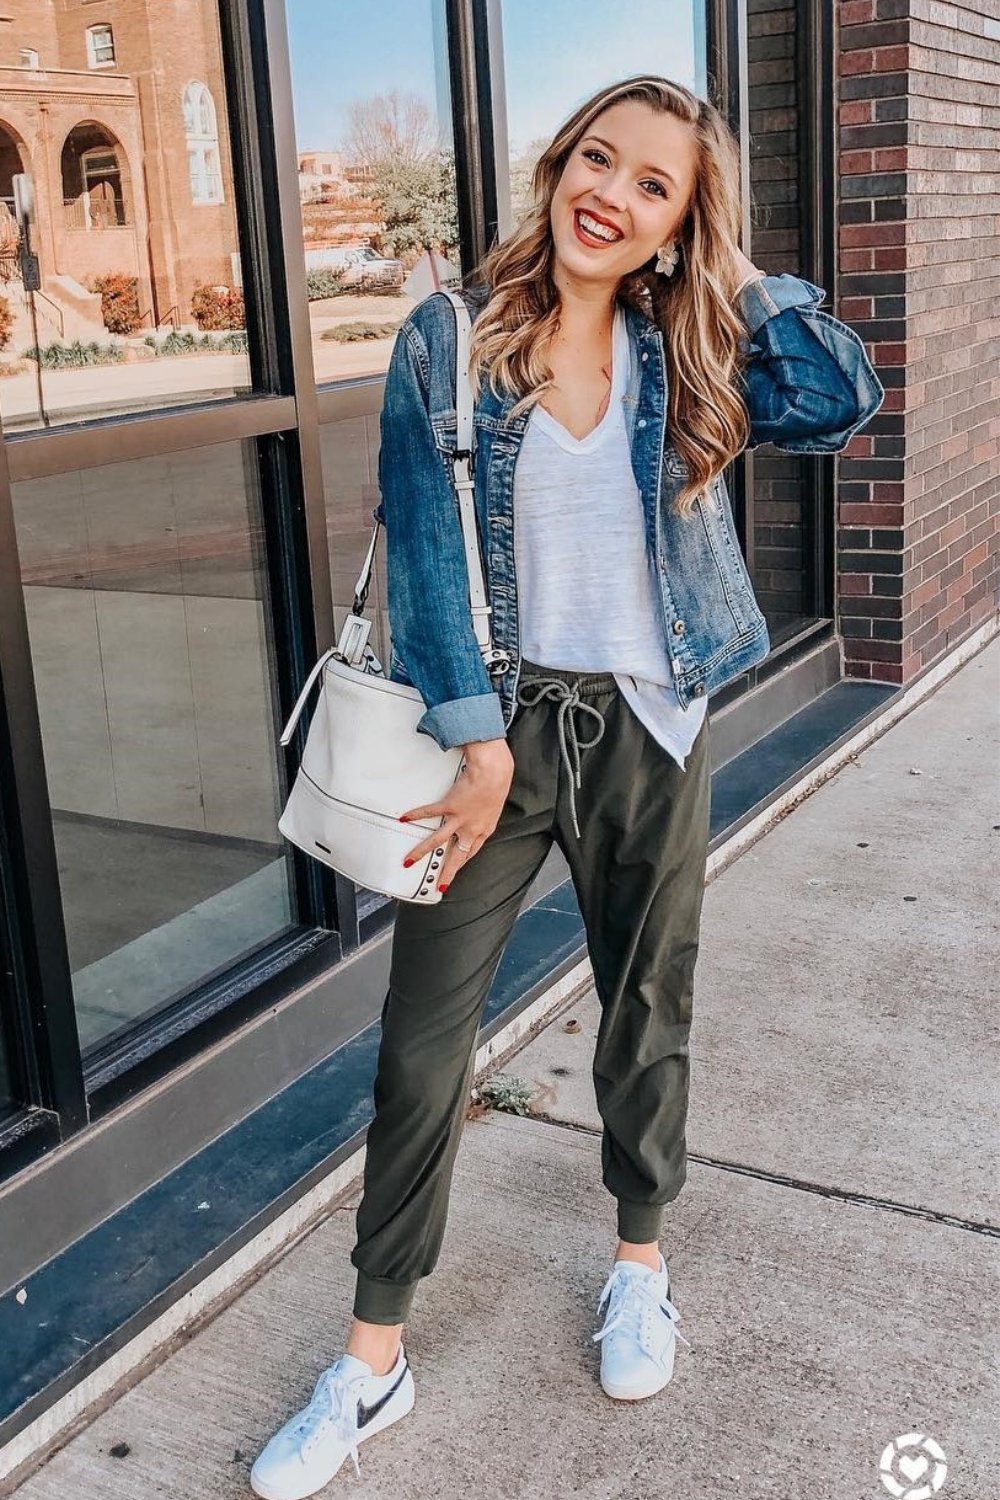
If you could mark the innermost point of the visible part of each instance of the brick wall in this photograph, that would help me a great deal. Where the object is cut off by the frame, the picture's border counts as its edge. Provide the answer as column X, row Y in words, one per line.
column 919, row 261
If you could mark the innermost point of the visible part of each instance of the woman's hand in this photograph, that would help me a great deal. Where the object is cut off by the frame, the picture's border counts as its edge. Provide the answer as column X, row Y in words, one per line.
column 471, row 808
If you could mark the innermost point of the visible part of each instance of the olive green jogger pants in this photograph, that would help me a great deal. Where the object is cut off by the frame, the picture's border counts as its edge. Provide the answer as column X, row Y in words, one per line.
column 638, row 868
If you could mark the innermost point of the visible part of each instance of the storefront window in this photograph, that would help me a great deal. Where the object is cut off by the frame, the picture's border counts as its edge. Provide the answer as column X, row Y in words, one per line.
column 350, row 468
column 148, row 621
column 558, row 54
column 5, row 1099
column 784, row 504
column 376, row 171
column 121, row 289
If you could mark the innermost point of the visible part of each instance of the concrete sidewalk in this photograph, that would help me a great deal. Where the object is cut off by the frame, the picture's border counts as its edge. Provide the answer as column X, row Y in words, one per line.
column 833, row 1254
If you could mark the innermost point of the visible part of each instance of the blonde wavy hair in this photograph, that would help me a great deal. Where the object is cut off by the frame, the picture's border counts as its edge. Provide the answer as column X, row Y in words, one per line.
column 706, row 419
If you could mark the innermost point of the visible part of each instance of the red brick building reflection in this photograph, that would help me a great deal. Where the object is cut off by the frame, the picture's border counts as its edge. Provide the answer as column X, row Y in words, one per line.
column 117, row 111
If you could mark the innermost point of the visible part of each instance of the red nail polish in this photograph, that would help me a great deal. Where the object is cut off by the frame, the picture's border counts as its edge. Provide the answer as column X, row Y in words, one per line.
column 403, row 818
column 407, row 863
column 443, row 888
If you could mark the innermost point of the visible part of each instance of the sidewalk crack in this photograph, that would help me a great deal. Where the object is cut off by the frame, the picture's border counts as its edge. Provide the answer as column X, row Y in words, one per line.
column 804, row 1185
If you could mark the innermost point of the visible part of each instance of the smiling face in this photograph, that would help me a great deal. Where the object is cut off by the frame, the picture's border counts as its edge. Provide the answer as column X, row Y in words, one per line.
column 624, row 192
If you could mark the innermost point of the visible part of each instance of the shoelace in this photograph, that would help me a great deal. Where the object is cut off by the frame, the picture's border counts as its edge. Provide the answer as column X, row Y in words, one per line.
column 537, row 688
column 334, row 1404
column 631, row 1296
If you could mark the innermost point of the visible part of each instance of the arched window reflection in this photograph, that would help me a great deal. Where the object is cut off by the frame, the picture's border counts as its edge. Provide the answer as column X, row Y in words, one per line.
column 202, row 133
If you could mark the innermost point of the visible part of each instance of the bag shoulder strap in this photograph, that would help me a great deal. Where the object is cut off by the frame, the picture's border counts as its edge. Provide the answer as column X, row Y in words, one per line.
column 464, row 477
column 464, row 400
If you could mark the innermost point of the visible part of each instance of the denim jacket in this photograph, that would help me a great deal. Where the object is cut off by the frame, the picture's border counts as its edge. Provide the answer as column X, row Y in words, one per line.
column 808, row 387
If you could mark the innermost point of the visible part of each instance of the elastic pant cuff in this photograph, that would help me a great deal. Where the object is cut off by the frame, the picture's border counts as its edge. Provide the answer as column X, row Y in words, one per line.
column 639, row 1223
column 379, row 1300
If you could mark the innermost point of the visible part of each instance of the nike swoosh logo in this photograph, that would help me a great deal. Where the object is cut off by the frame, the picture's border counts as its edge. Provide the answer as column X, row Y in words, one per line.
column 365, row 1413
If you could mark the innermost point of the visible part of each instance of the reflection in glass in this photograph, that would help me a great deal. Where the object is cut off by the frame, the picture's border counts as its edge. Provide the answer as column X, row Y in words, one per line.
column 147, row 614
column 9, row 1039
column 100, row 46
column 120, row 131
column 202, row 135
column 5, row 1095
column 784, row 508
column 556, row 55
column 376, row 171
column 350, row 469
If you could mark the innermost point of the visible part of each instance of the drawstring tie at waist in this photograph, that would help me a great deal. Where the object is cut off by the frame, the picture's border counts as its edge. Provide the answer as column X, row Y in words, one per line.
column 568, row 698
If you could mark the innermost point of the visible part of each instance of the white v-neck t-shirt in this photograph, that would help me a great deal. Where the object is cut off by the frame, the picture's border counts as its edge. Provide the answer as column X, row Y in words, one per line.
column 587, row 596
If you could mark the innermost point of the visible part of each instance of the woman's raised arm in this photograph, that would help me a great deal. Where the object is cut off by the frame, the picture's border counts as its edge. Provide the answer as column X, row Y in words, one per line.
column 808, row 385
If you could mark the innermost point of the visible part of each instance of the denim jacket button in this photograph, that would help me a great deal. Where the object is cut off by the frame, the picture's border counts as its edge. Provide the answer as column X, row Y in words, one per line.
column 678, row 627
column 698, row 689
column 645, row 356
column 641, row 422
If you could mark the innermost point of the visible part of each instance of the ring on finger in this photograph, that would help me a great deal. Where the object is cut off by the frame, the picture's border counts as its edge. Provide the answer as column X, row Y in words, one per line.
column 464, row 847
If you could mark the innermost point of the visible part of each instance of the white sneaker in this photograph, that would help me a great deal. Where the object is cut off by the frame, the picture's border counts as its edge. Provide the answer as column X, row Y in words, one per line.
column 349, row 1404
column 639, row 1332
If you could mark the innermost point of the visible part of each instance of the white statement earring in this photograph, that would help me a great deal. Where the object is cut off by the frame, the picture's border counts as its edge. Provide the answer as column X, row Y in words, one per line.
column 667, row 258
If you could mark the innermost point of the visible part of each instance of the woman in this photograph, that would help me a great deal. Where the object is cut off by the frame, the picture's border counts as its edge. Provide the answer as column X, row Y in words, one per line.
column 626, row 351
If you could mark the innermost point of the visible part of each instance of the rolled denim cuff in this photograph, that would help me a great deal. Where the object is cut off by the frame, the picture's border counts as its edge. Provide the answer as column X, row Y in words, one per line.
column 868, row 389
column 461, row 721
column 769, row 295
column 757, row 275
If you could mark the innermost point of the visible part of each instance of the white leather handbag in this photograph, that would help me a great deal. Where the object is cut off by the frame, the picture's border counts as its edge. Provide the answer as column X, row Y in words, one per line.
column 364, row 763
